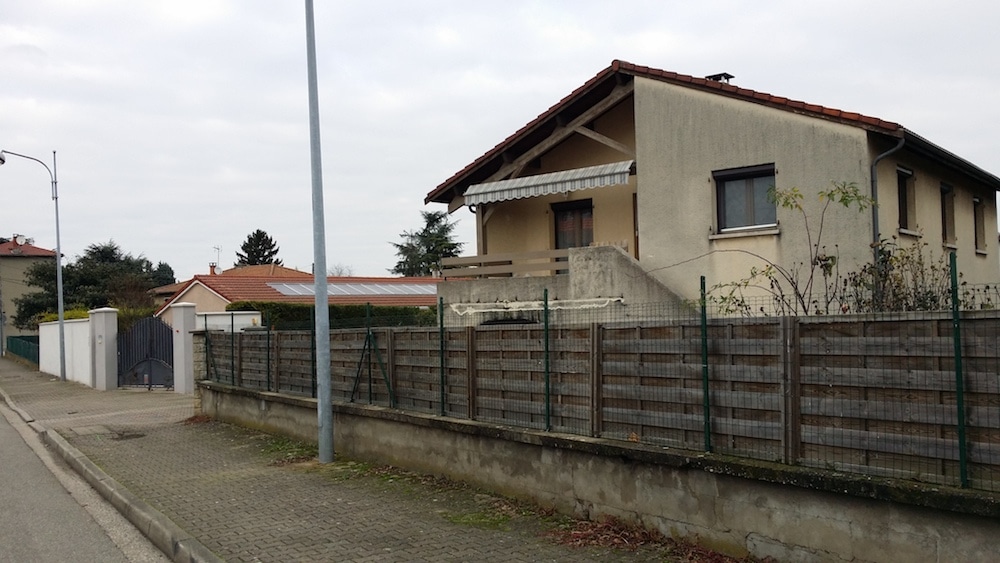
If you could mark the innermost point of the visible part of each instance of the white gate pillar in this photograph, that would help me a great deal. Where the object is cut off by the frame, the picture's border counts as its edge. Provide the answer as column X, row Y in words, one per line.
column 104, row 348
column 183, row 319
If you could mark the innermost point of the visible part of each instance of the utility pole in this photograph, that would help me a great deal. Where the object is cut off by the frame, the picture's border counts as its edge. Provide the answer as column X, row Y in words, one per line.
column 324, row 405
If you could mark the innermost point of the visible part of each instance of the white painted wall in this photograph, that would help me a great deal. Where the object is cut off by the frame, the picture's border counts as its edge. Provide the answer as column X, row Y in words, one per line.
column 78, row 352
column 91, row 346
column 228, row 321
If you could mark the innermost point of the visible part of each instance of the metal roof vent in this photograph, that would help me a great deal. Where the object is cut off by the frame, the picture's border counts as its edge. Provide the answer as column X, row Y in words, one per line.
column 721, row 77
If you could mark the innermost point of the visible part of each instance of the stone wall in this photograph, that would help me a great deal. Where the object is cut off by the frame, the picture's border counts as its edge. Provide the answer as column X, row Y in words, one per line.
column 734, row 506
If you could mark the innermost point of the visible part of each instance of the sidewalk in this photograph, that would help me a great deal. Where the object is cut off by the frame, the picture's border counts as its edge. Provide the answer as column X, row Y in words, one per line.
column 207, row 490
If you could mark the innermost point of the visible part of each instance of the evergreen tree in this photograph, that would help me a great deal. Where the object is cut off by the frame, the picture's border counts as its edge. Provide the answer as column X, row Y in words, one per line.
column 104, row 276
column 258, row 249
column 163, row 274
column 421, row 252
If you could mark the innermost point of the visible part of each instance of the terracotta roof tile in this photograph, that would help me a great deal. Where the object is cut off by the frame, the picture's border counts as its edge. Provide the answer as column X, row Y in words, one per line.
column 11, row 248
column 622, row 67
column 272, row 270
column 626, row 67
column 257, row 288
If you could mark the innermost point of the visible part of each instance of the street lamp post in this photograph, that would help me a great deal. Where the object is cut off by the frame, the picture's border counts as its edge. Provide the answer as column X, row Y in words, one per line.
column 324, row 406
column 59, row 277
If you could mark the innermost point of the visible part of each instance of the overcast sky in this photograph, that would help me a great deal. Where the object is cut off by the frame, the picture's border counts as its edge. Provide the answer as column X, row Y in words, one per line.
column 182, row 126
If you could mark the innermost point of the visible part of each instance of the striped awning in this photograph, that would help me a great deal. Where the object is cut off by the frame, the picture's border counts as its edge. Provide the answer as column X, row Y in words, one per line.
column 600, row 176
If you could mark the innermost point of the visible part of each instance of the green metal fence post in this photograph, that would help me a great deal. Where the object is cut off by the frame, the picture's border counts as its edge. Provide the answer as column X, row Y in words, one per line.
column 232, row 356
column 441, row 351
column 374, row 346
column 963, row 468
column 548, row 396
column 704, row 370
column 267, row 366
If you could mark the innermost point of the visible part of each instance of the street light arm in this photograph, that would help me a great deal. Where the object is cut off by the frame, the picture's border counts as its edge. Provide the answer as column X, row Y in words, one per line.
column 59, row 268
column 52, row 174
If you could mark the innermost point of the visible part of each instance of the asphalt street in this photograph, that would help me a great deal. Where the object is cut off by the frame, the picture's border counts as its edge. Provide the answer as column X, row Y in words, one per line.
column 49, row 514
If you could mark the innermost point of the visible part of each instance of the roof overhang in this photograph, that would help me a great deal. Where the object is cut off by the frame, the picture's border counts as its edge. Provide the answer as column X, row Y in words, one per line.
column 603, row 175
column 615, row 85
column 923, row 147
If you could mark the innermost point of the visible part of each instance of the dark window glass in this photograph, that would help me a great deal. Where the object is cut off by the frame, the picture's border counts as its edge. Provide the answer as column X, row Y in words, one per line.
column 744, row 198
column 979, row 222
column 574, row 224
column 904, row 190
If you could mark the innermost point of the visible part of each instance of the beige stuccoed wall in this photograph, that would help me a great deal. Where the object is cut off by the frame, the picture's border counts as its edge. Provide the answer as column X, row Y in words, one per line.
column 205, row 301
column 683, row 135
column 527, row 224
column 12, row 274
column 976, row 267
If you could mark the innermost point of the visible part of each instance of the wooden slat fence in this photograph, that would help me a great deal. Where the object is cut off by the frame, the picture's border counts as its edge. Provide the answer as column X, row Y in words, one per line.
column 868, row 396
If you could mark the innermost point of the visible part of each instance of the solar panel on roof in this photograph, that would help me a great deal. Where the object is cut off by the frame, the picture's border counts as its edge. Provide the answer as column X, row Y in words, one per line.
column 360, row 289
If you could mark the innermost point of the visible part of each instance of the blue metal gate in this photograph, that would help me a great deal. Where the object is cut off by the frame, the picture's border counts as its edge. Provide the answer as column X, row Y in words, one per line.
column 146, row 355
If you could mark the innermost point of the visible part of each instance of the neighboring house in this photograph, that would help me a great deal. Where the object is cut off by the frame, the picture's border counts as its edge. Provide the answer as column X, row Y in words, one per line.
column 669, row 175
column 212, row 293
column 164, row 293
column 15, row 259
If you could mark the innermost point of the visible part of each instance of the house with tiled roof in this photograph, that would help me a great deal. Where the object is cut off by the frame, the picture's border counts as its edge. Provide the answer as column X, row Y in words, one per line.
column 641, row 180
column 165, row 293
column 16, row 256
column 212, row 293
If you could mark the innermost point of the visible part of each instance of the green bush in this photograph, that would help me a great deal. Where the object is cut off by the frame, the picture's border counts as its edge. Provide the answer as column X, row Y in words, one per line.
column 292, row 316
column 68, row 314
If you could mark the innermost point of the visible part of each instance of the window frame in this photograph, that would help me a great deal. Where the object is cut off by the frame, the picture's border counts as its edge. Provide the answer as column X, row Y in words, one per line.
column 906, row 200
column 948, row 235
column 979, row 223
column 747, row 173
column 580, row 205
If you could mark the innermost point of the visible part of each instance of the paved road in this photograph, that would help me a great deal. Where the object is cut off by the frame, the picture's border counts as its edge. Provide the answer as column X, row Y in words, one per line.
column 215, row 485
column 47, row 513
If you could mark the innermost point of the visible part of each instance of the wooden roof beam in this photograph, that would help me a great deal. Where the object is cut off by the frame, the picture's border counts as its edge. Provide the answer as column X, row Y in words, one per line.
column 607, row 141
column 561, row 133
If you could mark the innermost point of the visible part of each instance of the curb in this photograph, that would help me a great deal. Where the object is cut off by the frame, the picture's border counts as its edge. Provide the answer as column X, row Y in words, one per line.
column 175, row 543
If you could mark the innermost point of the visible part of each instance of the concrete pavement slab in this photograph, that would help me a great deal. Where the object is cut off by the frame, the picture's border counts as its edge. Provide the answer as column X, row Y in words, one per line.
column 210, row 488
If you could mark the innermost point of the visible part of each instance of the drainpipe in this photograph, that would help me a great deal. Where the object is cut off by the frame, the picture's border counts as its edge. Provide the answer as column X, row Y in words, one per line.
column 876, row 235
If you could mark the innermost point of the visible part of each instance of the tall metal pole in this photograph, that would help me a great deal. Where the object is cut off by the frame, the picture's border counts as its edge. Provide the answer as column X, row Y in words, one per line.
column 323, row 396
column 59, row 276
column 59, row 269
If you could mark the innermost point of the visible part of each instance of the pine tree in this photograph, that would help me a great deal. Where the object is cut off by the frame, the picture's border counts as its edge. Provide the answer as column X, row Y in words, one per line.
column 258, row 249
column 421, row 252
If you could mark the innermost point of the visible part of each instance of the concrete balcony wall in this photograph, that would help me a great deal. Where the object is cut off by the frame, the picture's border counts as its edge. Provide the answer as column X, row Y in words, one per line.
column 599, row 278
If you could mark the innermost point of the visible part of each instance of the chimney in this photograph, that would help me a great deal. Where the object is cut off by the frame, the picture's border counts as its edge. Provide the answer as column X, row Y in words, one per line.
column 723, row 77
column 211, row 268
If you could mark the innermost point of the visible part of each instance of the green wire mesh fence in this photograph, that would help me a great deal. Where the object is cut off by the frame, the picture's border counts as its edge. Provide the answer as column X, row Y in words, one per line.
column 909, row 395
